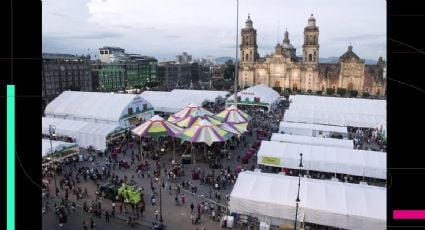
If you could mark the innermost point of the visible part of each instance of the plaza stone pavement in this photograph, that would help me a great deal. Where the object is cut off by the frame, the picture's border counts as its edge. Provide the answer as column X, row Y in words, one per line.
column 174, row 216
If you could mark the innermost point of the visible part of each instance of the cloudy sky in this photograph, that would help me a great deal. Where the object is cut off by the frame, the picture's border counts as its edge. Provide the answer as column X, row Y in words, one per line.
column 165, row 28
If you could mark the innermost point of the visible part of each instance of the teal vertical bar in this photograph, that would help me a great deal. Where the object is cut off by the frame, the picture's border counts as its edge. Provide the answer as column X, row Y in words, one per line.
column 10, row 157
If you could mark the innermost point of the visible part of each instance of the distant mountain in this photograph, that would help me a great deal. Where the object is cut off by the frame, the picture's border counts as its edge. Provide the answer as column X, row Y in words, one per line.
column 222, row 60
column 336, row 60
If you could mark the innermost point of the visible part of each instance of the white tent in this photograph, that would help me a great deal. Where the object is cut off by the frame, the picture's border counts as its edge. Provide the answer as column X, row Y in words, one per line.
column 328, row 203
column 339, row 104
column 324, row 159
column 57, row 146
column 85, row 133
column 171, row 102
column 267, row 96
column 334, row 118
column 308, row 129
column 98, row 107
column 296, row 139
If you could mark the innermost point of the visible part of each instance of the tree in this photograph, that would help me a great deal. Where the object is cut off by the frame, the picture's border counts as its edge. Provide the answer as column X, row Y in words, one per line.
column 278, row 89
column 354, row 93
column 341, row 91
column 330, row 91
column 365, row 94
column 319, row 92
column 309, row 91
column 229, row 69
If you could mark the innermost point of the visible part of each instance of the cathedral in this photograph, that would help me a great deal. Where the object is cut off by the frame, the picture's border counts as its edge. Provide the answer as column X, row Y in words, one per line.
column 286, row 70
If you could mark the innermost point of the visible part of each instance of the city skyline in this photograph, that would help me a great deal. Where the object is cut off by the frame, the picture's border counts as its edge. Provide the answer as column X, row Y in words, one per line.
column 150, row 28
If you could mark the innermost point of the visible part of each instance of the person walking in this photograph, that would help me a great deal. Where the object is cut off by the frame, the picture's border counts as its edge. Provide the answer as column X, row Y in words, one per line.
column 107, row 216
column 92, row 224
column 156, row 214
column 192, row 207
column 183, row 199
column 84, row 225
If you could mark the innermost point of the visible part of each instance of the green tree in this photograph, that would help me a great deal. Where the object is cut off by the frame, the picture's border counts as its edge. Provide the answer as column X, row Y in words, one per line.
column 309, row 91
column 354, row 93
column 330, row 91
column 341, row 91
column 319, row 92
column 365, row 94
column 229, row 69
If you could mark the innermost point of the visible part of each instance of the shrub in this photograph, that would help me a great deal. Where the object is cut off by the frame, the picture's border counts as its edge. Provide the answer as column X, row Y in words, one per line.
column 365, row 94
column 330, row 91
column 341, row 91
column 354, row 93
column 309, row 91
column 319, row 92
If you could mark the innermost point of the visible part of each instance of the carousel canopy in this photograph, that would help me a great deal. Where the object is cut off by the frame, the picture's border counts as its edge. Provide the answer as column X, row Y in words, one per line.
column 156, row 127
column 186, row 111
column 271, row 197
column 195, row 118
column 233, row 115
column 205, row 132
column 237, row 129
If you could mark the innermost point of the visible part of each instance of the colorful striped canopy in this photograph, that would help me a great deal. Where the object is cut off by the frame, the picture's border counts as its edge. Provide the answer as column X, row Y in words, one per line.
column 157, row 127
column 237, row 129
column 233, row 115
column 195, row 118
column 186, row 111
column 205, row 132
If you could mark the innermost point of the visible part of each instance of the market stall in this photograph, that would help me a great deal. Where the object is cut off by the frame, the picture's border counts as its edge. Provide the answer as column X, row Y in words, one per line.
column 321, row 141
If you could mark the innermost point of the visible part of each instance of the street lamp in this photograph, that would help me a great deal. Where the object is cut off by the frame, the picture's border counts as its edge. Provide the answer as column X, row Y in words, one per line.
column 158, row 178
column 52, row 133
column 298, row 196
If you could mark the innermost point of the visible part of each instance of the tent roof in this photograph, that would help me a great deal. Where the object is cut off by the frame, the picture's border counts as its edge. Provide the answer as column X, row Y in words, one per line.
column 57, row 146
column 266, row 94
column 93, row 105
column 329, row 203
column 85, row 133
column 326, row 128
column 296, row 139
column 326, row 159
column 171, row 102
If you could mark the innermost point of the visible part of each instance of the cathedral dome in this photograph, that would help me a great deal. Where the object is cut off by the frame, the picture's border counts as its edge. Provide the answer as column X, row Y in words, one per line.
column 349, row 54
column 248, row 23
column 311, row 21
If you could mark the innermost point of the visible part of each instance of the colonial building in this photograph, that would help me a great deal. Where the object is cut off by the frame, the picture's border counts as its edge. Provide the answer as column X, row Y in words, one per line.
column 286, row 70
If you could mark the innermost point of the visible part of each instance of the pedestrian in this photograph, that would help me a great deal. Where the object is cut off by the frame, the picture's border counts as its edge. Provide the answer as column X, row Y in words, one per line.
column 192, row 207
column 227, row 197
column 153, row 201
column 92, row 224
column 107, row 216
column 84, row 225
column 192, row 218
column 183, row 199
column 156, row 214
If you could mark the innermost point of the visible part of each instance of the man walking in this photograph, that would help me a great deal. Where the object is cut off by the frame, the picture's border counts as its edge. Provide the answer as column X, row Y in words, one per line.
column 156, row 214
column 107, row 216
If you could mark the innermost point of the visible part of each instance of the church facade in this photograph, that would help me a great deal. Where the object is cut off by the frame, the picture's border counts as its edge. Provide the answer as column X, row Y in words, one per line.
column 284, row 69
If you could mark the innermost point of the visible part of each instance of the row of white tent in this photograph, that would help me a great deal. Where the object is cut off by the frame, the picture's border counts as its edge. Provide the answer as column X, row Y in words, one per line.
column 57, row 146
column 321, row 141
column 328, row 203
column 338, row 104
column 267, row 95
column 85, row 133
column 312, row 130
column 171, row 102
column 355, row 112
column 371, row 164
column 334, row 118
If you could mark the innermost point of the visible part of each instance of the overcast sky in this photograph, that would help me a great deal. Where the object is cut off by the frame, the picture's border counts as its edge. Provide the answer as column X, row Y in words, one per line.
column 165, row 28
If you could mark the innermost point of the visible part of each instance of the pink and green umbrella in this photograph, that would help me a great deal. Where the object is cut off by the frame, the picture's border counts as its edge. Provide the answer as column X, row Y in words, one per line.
column 233, row 115
column 157, row 127
column 237, row 129
column 186, row 111
column 205, row 132
column 195, row 118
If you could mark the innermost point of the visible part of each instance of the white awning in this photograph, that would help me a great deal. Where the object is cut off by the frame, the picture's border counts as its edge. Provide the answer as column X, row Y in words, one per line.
column 328, row 203
column 57, row 146
column 306, row 129
column 324, row 159
column 297, row 139
column 85, row 133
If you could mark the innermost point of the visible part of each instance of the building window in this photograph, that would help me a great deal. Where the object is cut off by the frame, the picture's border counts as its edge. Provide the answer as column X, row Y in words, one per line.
column 333, row 87
column 310, row 57
column 367, row 89
column 246, row 57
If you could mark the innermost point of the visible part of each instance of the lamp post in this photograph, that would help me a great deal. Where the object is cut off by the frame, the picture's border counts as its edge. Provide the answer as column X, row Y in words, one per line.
column 298, row 195
column 160, row 189
column 52, row 133
column 236, row 62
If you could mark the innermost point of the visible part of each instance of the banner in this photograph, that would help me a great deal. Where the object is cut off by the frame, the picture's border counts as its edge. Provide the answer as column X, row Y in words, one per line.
column 270, row 161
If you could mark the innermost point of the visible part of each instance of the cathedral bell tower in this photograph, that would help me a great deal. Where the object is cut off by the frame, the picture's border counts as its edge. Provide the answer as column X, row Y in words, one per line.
column 311, row 42
column 248, row 45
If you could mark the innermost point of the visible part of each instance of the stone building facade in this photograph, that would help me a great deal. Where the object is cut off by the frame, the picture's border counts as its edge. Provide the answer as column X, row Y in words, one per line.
column 284, row 69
